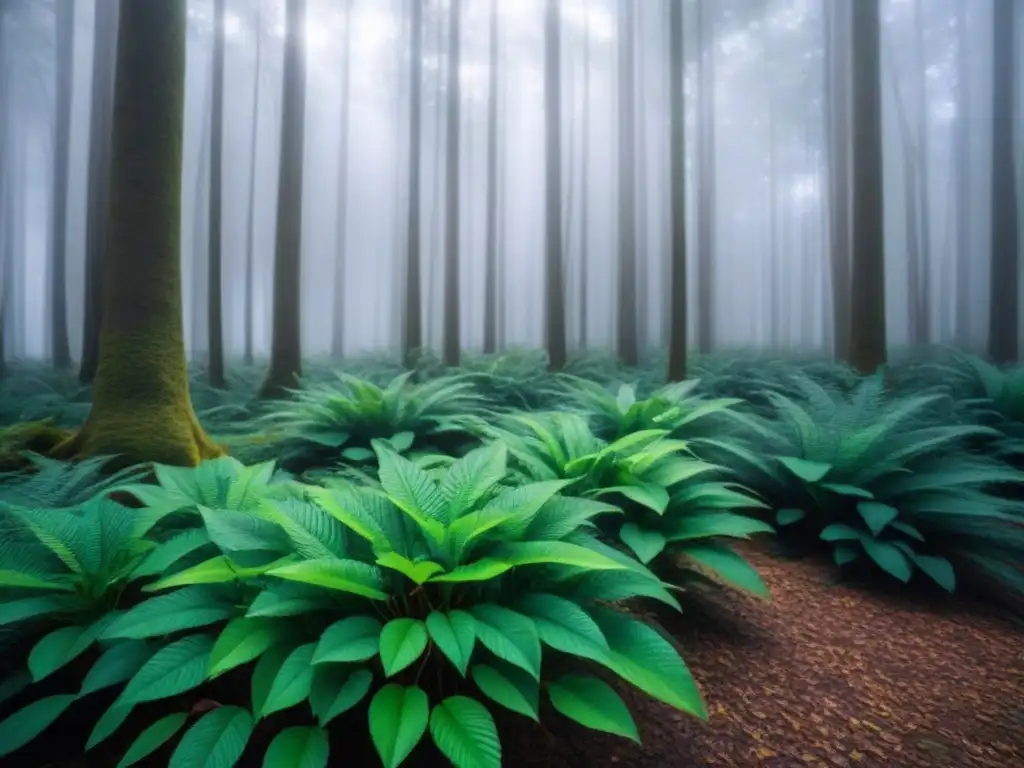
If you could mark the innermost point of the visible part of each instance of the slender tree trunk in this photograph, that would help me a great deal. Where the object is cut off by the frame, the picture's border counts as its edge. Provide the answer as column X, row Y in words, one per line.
column 775, row 275
column 201, row 227
column 285, row 350
column 451, row 343
column 554, row 291
column 677, row 192
column 491, row 239
column 640, row 184
column 628, row 341
column 340, row 248
column 1003, row 333
column 964, row 180
column 250, row 246
column 706, row 205
column 141, row 409
column 413, row 333
column 585, row 184
column 214, row 260
column 922, row 179
column 65, row 36
column 867, row 327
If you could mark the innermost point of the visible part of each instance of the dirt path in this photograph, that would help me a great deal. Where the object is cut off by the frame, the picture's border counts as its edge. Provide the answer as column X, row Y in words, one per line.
column 823, row 676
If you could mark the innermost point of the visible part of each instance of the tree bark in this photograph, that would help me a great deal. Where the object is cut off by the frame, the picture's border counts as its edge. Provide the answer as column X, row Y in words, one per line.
column 867, row 328
column 628, row 331
column 677, row 192
column 286, row 342
column 554, row 290
column 250, row 255
column 64, row 46
column 706, row 213
column 964, row 180
column 451, row 343
column 585, row 185
column 141, row 409
column 413, row 333
column 338, row 305
column 491, row 235
column 214, row 299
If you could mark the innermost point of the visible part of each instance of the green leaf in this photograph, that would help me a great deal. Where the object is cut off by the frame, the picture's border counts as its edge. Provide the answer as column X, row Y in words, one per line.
column 336, row 688
column 789, row 516
column 52, row 651
column 265, row 672
column 357, row 453
column 174, row 669
column 152, row 738
column 647, row 544
column 510, row 687
column 727, row 565
column 13, row 684
column 939, row 569
column 876, row 515
column 349, row 576
column 217, row 570
column 704, row 525
column 292, row 683
column 648, row 495
column 186, row 608
column 454, row 635
column 564, row 625
column 355, row 638
column 808, row 471
column 35, row 607
column 907, row 529
column 417, row 572
column 402, row 641
column 839, row 532
column 845, row 553
column 471, row 477
column 464, row 732
column 31, row 720
column 593, row 703
column 108, row 723
column 15, row 579
column 412, row 490
column 508, row 635
column 888, row 558
column 170, row 552
column 298, row 747
column 555, row 553
column 241, row 641
column 848, row 490
column 484, row 569
column 216, row 740
column 398, row 720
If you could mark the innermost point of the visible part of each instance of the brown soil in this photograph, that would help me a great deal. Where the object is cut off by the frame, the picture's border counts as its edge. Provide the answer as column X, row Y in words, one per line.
column 820, row 676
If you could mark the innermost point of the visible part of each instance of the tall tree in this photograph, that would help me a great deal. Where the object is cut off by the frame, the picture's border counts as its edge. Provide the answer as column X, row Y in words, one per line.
column 64, row 49
column 491, row 235
column 585, row 182
column 706, row 193
column 922, row 156
column 250, row 247
column 1004, row 302
column 451, row 344
column 554, row 289
column 412, row 341
column 341, row 218
column 677, row 197
column 964, row 179
column 141, row 409
column 867, row 326
column 104, row 58
column 628, row 330
column 214, row 261
column 286, row 339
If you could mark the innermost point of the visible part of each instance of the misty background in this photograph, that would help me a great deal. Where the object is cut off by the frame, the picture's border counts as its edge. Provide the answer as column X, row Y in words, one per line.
column 766, row 110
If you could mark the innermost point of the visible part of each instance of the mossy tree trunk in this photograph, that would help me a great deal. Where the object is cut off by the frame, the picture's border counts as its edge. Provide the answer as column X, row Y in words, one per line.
column 60, row 346
column 677, row 204
column 141, row 409
column 285, row 346
column 214, row 300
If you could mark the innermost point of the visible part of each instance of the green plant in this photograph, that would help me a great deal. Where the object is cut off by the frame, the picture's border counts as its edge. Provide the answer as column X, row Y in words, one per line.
column 52, row 483
column 881, row 485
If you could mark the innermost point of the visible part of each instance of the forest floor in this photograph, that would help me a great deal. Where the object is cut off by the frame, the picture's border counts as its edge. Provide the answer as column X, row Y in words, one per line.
column 822, row 675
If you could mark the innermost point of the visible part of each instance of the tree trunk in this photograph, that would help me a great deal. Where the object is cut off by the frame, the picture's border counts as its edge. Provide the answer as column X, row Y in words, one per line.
column 554, row 290
column 628, row 341
column 338, row 306
column 867, row 329
column 677, row 191
column 250, row 247
column 286, row 350
column 964, row 181
column 412, row 341
column 491, row 235
column 923, row 288
column 1003, row 333
column 141, row 409
column 214, row 300
column 451, row 343
column 65, row 37
column 585, row 184
column 706, row 214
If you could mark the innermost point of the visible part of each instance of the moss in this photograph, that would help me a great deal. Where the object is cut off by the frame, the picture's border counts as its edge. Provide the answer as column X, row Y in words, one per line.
column 37, row 436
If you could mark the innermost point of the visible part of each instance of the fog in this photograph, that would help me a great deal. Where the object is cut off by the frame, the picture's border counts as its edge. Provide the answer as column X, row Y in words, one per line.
column 760, row 135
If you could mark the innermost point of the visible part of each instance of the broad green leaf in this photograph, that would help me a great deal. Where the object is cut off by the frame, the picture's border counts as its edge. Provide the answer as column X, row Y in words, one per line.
column 175, row 668
column 108, row 723
column 14, row 683
column 876, row 515
column 216, row 740
column 265, row 672
column 789, row 516
column 727, row 565
column 335, row 505
column 707, row 524
column 648, row 495
column 848, row 490
column 464, row 732
column 402, row 641
column 34, row 607
column 412, row 490
column 510, row 687
column 292, row 683
column 31, row 720
column 417, row 572
column 471, row 477
column 454, row 635
column 485, row 569
column 298, row 747
column 152, row 738
column 509, row 635
column 888, row 557
column 241, row 641
column 15, row 579
column 52, row 651
column 398, row 720
column 939, row 569
column 808, row 471
column 288, row 599
column 217, row 570
column 355, row 638
column 171, row 551
column 336, row 688
column 554, row 553
column 186, row 608
column 839, row 532
column 845, row 552
column 907, row 529
column 647, row 544
column 564, row 625
column 350, row 576
column 593, row 703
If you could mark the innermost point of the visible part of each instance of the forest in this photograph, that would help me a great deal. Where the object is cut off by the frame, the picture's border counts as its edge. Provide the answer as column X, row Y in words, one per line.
column 511, row 383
